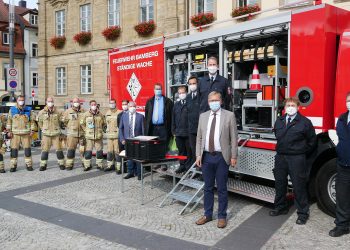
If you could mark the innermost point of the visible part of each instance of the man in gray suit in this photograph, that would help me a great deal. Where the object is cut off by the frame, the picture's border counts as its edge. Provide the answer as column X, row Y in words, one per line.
column 216, row 150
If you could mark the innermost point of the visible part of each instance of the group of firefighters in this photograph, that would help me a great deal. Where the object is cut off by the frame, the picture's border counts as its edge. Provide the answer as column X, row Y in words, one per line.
column 85, row 129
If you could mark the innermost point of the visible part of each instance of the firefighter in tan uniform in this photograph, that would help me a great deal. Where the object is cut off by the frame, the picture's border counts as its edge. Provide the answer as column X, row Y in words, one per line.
column 2, row 149
column 49, row 120
column 93, row 123
column 112, row 135
column 75, row 135
column 20, row 128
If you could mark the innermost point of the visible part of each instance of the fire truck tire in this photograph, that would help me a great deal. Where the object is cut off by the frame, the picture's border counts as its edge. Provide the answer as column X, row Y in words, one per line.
column 325, row 187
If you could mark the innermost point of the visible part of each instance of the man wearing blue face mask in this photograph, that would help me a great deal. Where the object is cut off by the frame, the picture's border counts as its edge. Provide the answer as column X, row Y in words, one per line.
column 216, row 150
column 158, row 115
column 212, row 82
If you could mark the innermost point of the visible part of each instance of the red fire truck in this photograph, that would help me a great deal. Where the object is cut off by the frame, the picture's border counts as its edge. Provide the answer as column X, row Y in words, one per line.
column 303, row 53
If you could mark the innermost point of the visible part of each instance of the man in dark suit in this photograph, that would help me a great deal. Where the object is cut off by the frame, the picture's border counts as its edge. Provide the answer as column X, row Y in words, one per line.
column 296, row 138
column 216, row 150
column 342, row 184
column 158, row 115
column 121, row 146
column 192, row 101
column 131, row 126
column 212, row 82
column 180, row 129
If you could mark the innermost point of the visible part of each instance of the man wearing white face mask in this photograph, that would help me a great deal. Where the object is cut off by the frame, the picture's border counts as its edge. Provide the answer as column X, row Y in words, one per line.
column 296, row 139
column 192, row 101
column 75, row 134
column 131, row 126
column 20, row 127
column 342, row 183
column 179, row 129
column 212, row 82
column 50, row 123
column 112, row 135
column 93, row 123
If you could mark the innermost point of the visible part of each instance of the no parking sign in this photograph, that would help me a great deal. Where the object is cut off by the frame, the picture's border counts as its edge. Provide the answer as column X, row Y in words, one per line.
column 12, row 78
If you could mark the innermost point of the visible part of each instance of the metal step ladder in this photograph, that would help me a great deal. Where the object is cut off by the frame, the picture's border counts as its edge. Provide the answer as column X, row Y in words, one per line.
column 188, row 190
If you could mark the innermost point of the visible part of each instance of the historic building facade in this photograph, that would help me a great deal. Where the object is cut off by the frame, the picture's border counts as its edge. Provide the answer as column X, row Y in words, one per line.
column 81, row 70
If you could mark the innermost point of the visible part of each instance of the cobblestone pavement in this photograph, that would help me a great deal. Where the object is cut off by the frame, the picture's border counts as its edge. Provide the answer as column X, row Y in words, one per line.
column 76, row 210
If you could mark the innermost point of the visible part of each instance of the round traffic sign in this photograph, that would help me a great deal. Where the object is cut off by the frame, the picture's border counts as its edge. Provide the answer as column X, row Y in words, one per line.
column 13, row 84
column 12, row 72
column 33, row 93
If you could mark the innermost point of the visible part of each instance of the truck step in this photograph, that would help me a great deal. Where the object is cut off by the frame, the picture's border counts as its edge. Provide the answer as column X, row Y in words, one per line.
column 192, row 183
column 184, row 197
column 253, row 190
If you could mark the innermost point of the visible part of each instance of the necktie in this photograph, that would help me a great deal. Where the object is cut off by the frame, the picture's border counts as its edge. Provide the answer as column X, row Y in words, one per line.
column 289, row 120
column 131, row 123
column 211, row 80
column 211, row 134
column 193, row 95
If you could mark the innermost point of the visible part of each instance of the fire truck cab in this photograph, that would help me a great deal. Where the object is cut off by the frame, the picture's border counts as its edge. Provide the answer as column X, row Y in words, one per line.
column 303, row 53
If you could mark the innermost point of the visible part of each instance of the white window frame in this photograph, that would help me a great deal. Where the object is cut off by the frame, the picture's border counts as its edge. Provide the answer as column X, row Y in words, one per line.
column 61, row 81
column 33, row 19
column 85, row 17
column 85, row 79
column 148, row 5
column 208, row 6
column 32, row 50
column 246, row 2
column 34, row 77
column 60, row 18
column 113, row 13
column 5, row 34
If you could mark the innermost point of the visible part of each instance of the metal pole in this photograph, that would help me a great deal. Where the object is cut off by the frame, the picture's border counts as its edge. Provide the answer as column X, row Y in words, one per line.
column 11, row 34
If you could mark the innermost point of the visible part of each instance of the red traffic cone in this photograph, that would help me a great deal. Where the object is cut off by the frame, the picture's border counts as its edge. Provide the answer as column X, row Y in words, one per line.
column 255, row 82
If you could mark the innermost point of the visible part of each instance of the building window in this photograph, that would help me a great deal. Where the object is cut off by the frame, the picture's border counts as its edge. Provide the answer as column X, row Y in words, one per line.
column 60, row 23
column 5, row 38
column 113, row 12
column 85, row 17
column 34, row 79
column 146, row 10
column 34, row 49
column 203, row 6
column 242, row 3
column 61, row 81
column 34, row 19
column 85, row 79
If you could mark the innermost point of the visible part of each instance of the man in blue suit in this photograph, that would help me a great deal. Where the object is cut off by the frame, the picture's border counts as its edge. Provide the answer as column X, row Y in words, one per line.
column 131, row 125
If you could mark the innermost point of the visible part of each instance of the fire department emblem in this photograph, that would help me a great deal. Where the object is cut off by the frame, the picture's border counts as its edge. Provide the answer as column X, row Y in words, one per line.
column 133, row 87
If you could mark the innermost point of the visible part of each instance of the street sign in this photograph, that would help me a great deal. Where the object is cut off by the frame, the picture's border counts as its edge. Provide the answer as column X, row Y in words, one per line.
column 33, row 93
column 12, row 78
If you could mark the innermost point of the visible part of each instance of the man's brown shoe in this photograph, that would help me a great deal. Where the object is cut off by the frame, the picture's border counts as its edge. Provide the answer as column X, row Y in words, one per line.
column 203, row 220
column 222, row 223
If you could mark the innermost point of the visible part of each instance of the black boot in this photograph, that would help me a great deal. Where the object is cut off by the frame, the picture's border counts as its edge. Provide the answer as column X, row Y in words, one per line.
column 43, row 168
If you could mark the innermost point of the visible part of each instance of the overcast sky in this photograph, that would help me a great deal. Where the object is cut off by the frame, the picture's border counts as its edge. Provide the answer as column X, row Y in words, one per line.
column 32, row 4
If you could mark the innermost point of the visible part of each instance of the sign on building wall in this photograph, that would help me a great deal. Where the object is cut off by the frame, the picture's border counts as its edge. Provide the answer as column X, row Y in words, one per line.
column 133, row 74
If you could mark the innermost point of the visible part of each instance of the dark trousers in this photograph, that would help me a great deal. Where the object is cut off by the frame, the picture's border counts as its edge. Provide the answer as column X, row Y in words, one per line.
column 160, row 131
column 214, row 168
column 342, row 188
column 183, row 145
column 134, row 168
column 193, row 140
column 295, row 167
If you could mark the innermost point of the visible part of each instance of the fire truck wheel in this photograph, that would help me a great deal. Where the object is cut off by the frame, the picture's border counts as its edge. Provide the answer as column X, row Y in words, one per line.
column 325, row 187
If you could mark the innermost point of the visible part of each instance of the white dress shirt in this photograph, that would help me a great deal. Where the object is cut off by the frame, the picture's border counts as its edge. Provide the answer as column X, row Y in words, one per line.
column 133, row 124
column 217, row 146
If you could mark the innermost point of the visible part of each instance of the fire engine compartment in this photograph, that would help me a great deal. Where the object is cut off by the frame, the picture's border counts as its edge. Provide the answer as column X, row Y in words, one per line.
column 238, row 50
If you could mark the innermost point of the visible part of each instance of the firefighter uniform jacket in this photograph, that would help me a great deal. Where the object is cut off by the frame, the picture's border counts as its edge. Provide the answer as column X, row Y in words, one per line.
column 112, row 123
column 2, row 128
column 50, row 121
column 296, row 138
column 71, row 120
column 93, row 125
column 20, row 121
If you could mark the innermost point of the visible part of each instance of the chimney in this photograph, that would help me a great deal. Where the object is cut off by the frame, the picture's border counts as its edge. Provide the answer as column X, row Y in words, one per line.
column 22, row 3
